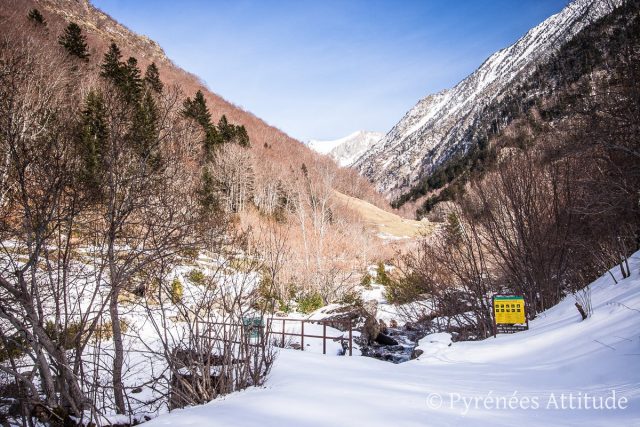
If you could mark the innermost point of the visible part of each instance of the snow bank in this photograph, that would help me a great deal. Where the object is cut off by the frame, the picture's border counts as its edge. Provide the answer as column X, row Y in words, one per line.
column 541, row 377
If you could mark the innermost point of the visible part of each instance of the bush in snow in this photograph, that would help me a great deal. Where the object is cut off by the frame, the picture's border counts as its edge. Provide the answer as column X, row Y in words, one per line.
column 196, row 277
column 177, row 291
column 309, row 302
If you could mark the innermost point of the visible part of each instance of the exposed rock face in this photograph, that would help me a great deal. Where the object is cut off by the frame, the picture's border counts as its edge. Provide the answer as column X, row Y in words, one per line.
column 439, row 126
column 103, row 25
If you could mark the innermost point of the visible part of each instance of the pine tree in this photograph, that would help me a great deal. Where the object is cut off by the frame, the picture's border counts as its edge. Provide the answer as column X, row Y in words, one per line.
column 242, row 137
column 152, row 78
column 35, row 16
column 132, row 80
column 225, row 129
column 144, row 131
column 93, row 139
column 382, row 278
column 211, row 141
column 207, row 193
column 197, row 110
column 124, row 75
column 453, row 229
column 74, row 41
column 112, row 67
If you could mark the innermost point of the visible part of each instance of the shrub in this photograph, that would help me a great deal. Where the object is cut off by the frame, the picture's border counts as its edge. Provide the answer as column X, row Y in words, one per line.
column 190, row 254
column 177, row 291
column 403, row 290
column 196, row 277
column 241, row 265
column 382, row 277
column 309, row 302
column 64, row 336
column 14, row 346
column 351, row 298
column 104, row 331
column 365, row 282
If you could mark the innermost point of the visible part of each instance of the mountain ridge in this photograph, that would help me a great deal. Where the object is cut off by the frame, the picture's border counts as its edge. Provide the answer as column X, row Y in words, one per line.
column 347, row 149
column 438, row 127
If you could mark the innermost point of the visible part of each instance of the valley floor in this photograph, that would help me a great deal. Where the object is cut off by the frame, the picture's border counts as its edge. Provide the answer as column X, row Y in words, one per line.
column 544, row 376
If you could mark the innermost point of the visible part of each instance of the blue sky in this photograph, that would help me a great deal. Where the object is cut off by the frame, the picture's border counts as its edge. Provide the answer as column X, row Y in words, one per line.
column 323, row 69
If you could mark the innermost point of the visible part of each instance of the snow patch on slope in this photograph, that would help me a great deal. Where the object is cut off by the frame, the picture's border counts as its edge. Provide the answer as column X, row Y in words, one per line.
column 348, row 149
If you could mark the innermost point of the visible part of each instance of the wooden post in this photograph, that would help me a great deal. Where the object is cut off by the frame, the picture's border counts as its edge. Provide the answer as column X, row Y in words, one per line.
column 324, row 338
column 282, row 333
column 493, row 315
column 269, row 330
column 350, row 339
column 302, row 335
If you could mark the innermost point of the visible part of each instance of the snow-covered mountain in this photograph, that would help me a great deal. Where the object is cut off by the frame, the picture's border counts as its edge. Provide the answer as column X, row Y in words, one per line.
column 438, row 127
column 346, row 150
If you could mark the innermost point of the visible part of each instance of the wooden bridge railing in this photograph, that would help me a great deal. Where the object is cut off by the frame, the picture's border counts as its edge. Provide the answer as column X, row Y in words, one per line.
column 262, row 331
column 283, row 332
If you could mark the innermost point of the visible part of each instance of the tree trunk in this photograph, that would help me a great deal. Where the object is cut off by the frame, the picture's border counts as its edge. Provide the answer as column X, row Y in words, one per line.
column 118, row 356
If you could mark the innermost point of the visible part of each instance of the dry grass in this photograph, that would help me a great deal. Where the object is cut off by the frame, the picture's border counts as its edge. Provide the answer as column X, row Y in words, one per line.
column 383, row 222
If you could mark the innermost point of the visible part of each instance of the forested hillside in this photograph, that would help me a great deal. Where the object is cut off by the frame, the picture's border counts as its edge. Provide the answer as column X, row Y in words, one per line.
column 130, row 192
column 549, row 199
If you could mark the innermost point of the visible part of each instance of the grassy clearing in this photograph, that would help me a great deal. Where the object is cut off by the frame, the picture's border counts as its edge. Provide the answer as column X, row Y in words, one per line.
column 386, row 223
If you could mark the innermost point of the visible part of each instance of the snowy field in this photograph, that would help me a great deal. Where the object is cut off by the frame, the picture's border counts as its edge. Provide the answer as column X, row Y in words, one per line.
column 552, row 375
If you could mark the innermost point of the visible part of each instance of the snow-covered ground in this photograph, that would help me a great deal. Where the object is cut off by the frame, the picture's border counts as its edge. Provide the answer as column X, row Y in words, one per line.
column 545, row 376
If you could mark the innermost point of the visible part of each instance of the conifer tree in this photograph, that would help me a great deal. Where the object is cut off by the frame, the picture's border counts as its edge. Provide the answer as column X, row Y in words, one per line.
column 144, row 131
column 152, row 78
column 132, row 81
column 453, row 229
column 197, row 110
column 74, row 41
column 211, row 141
column 124, row 75
column 225, row 129
column 93, row 139
column 242, row 137
column 36, row 17
column 111, row 64
column 207, row 193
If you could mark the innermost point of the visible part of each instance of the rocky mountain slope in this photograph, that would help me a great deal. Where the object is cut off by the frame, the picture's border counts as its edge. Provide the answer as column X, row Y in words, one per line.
column 441, row 126
column 348, row 149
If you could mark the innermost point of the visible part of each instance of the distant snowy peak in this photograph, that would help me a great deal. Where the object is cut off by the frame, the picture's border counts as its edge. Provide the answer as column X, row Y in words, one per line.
column 345, row 151
column 437, row 128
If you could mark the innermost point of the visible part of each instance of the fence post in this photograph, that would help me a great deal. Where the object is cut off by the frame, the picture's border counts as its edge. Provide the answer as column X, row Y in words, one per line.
column 350, row 339
column 302, row 335
column 324, row 338
column 282, row 333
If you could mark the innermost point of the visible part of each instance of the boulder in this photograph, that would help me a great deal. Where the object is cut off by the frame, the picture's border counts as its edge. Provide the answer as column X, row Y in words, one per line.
column 383, row 339
column 416, row 353
column 383, row 327
column 360, row 317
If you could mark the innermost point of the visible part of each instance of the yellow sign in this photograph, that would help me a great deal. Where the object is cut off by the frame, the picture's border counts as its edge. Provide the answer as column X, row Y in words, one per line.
column 509, row 310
